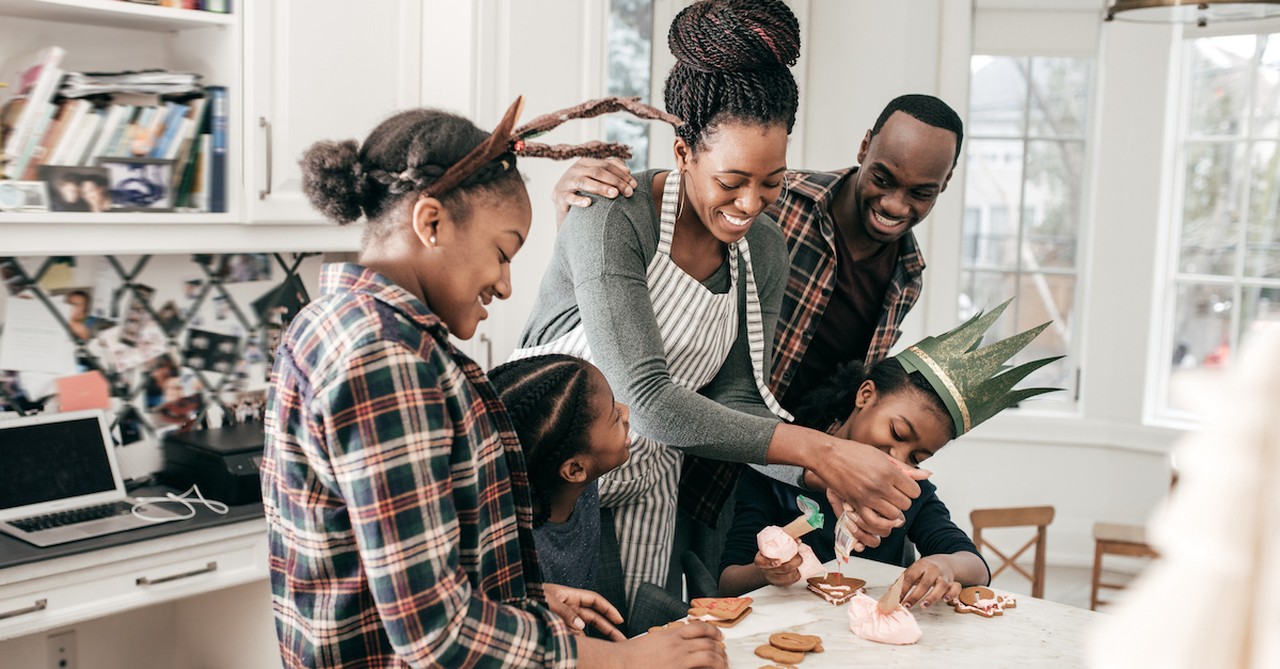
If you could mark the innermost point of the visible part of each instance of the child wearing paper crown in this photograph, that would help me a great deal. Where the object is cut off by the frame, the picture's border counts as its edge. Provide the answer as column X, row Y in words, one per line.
column 908, row 406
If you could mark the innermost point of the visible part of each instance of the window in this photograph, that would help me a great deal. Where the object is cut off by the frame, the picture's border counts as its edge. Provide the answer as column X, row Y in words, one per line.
column 1224, row 268
column 630, row 66
column 1024, row 194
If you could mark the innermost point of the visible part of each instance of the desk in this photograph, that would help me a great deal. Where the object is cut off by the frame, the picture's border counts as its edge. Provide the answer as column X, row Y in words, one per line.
column 1036, row 633
column 46, row 588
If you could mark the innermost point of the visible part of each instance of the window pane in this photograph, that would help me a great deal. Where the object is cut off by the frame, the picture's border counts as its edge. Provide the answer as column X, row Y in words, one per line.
column 1262, row 251
column 1211, row 208
column 1054, row 192
column 1219, row 81
column 1201, row 342
column 1266, row 104
column 997, row 96
column 993, row 187
column 629, row 71
column 980, row 291
column 1258, row 305
column 1041, row 298
column 1059, row 97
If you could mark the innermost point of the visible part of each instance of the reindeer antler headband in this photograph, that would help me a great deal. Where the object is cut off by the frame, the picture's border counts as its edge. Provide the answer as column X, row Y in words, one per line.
column 504, row 140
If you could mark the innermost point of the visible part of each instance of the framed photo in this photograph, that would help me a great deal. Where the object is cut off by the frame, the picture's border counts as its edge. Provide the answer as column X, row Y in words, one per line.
column 139, row 184
column 23, row 196
column 76, row 188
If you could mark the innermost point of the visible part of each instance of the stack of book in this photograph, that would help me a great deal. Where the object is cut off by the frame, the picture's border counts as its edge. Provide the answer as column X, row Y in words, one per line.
column 83, row 118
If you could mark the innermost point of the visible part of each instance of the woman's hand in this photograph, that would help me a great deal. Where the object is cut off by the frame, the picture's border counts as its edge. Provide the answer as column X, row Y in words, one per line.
column 930, row 579
column 580, row 607
column 606, row 178
column 778, row 572
column 875, row 486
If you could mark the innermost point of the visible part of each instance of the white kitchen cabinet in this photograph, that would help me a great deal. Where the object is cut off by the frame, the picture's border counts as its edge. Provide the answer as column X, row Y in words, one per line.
column 321, row 69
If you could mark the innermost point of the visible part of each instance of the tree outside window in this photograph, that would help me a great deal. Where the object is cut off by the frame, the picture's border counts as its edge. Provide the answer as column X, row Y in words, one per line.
column 630, row 66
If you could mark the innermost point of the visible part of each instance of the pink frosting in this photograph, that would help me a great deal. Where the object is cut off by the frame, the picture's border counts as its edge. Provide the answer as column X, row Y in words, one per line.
column 866, row 620
column 776, row 544
column 809, row 565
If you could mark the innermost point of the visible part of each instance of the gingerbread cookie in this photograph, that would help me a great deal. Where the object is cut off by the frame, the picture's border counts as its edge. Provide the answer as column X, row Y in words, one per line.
column 769, row 652
column 835, row 588
column 791, row 641
column 720, row 611
column 983, row 601
column 673, row 623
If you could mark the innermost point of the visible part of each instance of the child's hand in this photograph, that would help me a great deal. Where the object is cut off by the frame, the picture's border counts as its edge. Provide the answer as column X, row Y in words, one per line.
column 579, row 607
column 928, row 581
column 778, row 572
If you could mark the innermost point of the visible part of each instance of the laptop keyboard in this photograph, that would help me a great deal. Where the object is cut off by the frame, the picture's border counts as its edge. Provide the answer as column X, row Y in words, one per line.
column 47, row 521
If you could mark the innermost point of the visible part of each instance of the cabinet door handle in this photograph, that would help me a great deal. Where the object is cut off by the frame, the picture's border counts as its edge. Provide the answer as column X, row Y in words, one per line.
column 40, row 605
column 143, row 580
column 264, row 123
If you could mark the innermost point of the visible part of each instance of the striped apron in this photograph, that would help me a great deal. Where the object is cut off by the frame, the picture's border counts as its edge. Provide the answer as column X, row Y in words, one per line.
column 698, row 328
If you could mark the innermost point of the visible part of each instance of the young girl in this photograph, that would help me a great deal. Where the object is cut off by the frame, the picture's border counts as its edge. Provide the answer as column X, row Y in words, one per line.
column 904, row 414
column 572, row 431
column 395, row 493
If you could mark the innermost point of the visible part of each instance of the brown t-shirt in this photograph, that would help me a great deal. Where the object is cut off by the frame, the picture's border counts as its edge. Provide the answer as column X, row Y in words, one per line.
column 844, row 329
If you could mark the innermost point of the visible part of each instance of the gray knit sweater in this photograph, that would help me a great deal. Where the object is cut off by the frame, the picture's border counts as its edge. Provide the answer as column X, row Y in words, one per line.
column 597, row 277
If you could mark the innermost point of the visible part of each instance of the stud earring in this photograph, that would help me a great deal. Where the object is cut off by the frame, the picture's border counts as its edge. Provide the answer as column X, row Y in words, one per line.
column 431, row 240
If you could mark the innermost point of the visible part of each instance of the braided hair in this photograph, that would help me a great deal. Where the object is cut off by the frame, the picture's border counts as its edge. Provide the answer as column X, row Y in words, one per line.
column 831, row 401
column 928, row 110
column 731, row 64
column 399, row 159
column 548, row 398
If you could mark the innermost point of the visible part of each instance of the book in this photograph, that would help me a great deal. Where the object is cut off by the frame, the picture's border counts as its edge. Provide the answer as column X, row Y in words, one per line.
column 37, row 84
column 196, row 123
column 168, row 131
column 78, row 153
column 78, row 115
column 218, row 111
column 48, row 141
column 18, row 165
column 116, row 115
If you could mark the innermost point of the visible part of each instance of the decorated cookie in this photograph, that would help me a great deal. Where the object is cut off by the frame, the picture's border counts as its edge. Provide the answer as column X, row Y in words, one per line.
column 720, row 611
column 835, row 588
column 983, row 601
column 769, row 652
column 794, row 642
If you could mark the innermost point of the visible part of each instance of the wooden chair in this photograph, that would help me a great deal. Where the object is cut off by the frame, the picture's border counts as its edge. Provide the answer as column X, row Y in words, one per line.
column 1022, row 516
column 1115, row 539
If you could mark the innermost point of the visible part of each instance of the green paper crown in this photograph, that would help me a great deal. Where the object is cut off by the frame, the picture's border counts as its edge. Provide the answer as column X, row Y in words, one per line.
column 974, row 383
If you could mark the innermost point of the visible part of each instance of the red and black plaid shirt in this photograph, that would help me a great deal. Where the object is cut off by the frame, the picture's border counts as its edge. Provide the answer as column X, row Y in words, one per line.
column 803, row 212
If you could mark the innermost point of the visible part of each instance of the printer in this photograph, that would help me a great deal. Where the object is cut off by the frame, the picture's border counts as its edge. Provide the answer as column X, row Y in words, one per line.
column 223, row 461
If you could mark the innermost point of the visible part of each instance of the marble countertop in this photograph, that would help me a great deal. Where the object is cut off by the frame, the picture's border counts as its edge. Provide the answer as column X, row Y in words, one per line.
column 1035, row 633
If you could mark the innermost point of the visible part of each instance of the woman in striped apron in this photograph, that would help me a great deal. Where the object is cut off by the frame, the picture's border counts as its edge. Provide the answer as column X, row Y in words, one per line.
column 674, row 307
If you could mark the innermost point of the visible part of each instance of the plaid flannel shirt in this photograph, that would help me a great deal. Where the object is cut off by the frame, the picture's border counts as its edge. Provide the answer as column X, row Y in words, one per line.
column 804, row 214
column 396, row 496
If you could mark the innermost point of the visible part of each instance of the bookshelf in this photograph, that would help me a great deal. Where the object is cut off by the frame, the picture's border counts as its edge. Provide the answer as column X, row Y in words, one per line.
column 281, row 69
column 113, row 13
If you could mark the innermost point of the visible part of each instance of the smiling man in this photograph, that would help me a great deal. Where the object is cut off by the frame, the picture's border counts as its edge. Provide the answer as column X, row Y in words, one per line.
column 856, row 269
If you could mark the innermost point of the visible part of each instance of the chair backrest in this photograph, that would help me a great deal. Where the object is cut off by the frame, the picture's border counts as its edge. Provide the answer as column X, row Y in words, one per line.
column 1038, row 517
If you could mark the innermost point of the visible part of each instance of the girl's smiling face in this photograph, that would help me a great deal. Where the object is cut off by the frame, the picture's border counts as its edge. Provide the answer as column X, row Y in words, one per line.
column 609, row 431
column 905, row 424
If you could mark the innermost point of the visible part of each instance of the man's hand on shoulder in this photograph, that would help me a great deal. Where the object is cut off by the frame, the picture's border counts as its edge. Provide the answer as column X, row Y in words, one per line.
column 604, row 177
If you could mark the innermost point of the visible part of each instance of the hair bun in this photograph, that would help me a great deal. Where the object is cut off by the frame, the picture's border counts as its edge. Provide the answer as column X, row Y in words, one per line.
column 734, row 35
column 330, row 180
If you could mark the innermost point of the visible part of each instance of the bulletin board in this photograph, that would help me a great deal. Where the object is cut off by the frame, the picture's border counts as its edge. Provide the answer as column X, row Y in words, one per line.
column 162, row 342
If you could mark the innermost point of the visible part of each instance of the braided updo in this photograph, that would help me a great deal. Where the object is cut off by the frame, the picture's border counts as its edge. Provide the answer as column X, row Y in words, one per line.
column 548, row 398
column 731, row 64
column 399, row 159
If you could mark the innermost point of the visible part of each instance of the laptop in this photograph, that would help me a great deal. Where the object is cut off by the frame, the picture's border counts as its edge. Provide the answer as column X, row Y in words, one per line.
column 59, row 480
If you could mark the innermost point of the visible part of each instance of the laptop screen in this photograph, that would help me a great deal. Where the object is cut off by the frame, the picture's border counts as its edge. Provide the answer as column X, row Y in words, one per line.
column 49, row 461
